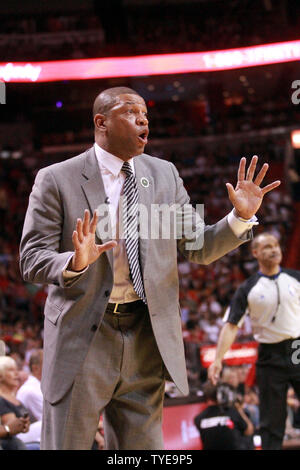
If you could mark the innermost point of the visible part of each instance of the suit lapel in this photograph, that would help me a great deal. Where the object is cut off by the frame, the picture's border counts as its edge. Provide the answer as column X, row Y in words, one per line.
column 146, row 197
column 94, row 191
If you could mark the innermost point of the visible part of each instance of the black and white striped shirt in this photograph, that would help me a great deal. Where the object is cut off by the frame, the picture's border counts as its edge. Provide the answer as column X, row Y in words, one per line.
column 273, row 304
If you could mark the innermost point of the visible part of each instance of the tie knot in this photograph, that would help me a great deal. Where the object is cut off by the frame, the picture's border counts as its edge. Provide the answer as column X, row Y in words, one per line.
column 127, row 169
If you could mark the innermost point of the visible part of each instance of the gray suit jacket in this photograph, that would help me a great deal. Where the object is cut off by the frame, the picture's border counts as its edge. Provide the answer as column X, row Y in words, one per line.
column 60, row 195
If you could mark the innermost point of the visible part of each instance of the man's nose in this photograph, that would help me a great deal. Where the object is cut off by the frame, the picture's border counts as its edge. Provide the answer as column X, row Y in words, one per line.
column 142, row 120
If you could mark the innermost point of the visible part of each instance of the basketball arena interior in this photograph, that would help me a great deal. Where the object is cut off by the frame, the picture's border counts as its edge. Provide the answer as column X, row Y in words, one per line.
column 221, row 81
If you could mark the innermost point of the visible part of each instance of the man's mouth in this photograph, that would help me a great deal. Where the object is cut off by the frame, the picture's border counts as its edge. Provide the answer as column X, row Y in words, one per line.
column 143, row 137
column 274, row 255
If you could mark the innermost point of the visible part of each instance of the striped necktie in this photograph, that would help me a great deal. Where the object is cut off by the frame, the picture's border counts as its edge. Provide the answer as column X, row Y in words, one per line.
column 130, row 229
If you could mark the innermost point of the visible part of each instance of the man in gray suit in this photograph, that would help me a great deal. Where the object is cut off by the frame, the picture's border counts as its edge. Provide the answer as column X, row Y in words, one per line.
column 112, row 331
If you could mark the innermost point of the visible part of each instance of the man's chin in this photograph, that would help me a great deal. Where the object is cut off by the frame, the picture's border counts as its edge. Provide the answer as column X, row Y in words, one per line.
column 272, row 263
column 276, row 259
column 140, row 149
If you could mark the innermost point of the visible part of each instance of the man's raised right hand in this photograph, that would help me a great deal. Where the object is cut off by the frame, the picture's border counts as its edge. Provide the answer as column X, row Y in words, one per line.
column 86, row 251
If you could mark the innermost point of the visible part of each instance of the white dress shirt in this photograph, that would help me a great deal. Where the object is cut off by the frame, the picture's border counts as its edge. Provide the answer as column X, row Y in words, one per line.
column 113, row 179
column 30, row 395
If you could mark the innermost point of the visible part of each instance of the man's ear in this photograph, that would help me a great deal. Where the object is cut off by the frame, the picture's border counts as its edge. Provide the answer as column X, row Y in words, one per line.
column 99, row 121
column 254, row 253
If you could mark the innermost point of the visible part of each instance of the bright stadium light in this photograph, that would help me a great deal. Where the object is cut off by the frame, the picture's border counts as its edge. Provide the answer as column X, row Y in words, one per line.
column 295, row 138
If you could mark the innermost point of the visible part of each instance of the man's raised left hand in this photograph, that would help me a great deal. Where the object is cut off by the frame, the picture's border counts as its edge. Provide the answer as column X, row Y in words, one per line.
column 247, row 196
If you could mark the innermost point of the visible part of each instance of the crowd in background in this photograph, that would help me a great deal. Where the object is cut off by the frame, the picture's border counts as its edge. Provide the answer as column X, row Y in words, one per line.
column 145, row 29
column 205, row 292
column 191, row 118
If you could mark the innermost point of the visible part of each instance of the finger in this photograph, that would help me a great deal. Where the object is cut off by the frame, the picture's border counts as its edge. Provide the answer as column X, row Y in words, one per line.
column 251, row 169
column 271, row 186
column 214, row 379
column 210, row 372
column 94, row 222
column 241, row 170
column 86, row 223
column 75, row 240
column 79, row 230
column 231, row 192
column 107, row 246
column 261, row 174
column 217, row 373
column 213, row 376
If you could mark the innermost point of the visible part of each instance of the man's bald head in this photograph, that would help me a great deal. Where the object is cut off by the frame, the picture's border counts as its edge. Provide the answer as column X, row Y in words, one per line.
column 261, row 237
column 121, row 122
column 109, row 97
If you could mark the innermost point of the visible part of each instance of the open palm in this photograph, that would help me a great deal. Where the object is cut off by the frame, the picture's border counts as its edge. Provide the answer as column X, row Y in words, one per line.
column 86, row 249
column 247, row 196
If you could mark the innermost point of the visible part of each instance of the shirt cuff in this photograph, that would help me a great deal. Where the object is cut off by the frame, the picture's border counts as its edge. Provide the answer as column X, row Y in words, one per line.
column 240, row 226
column 71, row 274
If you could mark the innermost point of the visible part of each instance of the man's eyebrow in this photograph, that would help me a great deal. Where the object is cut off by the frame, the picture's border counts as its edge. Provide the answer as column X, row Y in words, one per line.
column 132, row 102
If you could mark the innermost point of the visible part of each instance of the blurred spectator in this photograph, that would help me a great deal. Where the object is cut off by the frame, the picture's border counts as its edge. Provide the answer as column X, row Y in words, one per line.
column 10, row 407
column 251, row 406
column 99, row 443
column 8, row 439
column 30, row 393
column 230, row 376
column 292, row 429
column 223, row 424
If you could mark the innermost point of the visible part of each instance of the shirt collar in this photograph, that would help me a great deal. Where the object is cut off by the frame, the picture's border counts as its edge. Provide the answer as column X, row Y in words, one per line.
column 109, row 161
column 274, row 276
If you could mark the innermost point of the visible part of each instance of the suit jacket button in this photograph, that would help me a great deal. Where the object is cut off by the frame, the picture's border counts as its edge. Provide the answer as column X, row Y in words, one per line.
column 94, row 328
column 106, row 293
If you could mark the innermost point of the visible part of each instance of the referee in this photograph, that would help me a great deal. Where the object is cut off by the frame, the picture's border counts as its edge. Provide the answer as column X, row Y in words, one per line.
column 271, row 297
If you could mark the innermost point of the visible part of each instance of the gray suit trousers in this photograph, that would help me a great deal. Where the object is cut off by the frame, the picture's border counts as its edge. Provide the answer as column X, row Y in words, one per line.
column 123, row 378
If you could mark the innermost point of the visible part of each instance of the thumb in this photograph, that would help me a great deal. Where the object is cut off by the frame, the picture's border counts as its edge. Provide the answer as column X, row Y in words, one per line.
column 231, row 192
column 107, row 246
column 212, row 376
column 215, row 377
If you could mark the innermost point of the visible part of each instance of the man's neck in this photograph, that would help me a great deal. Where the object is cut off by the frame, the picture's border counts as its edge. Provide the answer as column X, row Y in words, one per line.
column 269, row 270
column 104, row 146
